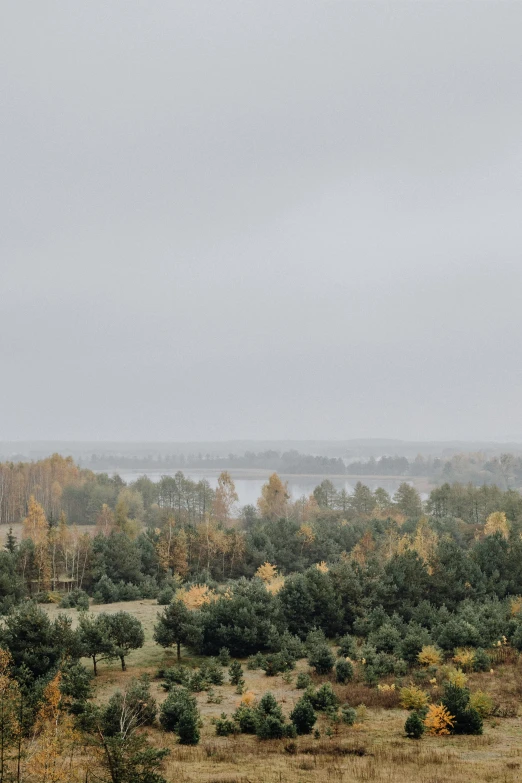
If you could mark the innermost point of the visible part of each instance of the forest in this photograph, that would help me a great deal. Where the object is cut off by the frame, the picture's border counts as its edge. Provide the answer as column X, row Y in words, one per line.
column 143, row 620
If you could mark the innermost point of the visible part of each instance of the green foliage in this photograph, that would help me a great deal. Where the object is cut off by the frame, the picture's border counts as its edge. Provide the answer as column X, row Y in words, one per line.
column 323, row 698
column 135, row 707
column 188, row 728
column 275, row 663
column 303, row 716
column 482, row 661
column 165, row 595
column 235, row 672
column 303, row 681
column 270, row 722
column 176, row 626
column 347, row 647
column 75, row 684
column 482, row 703
column 175, row 675
column 224, row 656
column 213, row 673
column 414, row 726
column 246, row 717
column 466, row 719
column 33, row 640
column 93, row 634
column 255, row 661
column 225, row 726
column 343, row 671
column 321, row 659
column 245, row 622
column 125, row 633
column 131, row 759
column 178, row 701
column 348, row 715
column 75, row 599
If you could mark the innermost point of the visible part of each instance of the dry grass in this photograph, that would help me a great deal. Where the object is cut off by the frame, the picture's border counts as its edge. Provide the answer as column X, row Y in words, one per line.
column 375, row 750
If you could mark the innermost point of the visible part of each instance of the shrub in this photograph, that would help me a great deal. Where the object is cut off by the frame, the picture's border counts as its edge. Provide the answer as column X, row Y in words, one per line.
column 438, row 720
column 105, row 591
column 414, row 726
column 482, row 703
column 290, row 731
column 371, row 677
column 175, row 675
column 188, row 727
column 273, row 664
column 165, row 595
column 255, row 661
column 175, row 705
column 321, row 659
column 214, row 674
column 303, row 681
column 270, row 727
column 303, row 716
column 246, row 718
column 76, row 684
column 466, row 719
column 430, row 656
column 75, row 599
column 482, row 661
column 348, row 715
column 413, row 642
column 343, row 671
column 465, row 658
column 347, row 647
column 137, row 702
column 413, row 698
column 457, row 677
column 323, row 698
column 458, row 633
column 315, row 638
column 269, row 719
column 224, row 656
column 235, row 672
column 197, row 682
column 269, row 706
column 225, row 726
column 386, row 639
column 291, row 646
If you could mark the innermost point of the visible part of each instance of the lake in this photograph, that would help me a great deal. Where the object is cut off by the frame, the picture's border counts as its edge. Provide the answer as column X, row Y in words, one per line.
column 249, row 482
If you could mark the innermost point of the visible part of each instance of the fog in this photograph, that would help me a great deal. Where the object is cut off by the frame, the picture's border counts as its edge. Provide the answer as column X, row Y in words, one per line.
column 261, row 220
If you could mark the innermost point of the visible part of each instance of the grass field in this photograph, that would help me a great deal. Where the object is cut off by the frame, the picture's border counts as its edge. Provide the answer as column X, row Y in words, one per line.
column 375, row 749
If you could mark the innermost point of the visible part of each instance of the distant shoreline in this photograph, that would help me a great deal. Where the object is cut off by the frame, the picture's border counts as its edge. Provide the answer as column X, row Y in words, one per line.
column 422, row 483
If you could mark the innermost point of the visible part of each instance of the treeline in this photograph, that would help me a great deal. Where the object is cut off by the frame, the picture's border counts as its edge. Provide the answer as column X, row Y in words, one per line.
column 152, row 537
column 286, row 462
column 504, row 471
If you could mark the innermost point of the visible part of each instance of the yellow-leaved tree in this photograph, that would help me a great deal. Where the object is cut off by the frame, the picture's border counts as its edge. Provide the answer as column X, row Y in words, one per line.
column 306, row 535
column 273, row 503
column 273, row 581
column 51, row 752
column 196, row 596
column 36, row 527
column 10, row 734
column 225, row 498
column 438, row 720
column 497, row 523
column 267, row 572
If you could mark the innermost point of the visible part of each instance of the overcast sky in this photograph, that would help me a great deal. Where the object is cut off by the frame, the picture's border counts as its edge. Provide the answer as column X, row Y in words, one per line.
column 260, row 219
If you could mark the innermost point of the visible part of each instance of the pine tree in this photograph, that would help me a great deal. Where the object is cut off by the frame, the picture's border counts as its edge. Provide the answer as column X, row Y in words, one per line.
column 10, row 541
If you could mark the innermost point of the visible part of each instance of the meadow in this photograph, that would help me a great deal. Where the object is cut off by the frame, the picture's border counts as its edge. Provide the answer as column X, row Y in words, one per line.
column 375, row 748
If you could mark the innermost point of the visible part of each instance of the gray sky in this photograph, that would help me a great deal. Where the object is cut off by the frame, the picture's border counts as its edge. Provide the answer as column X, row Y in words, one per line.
column 260, row 219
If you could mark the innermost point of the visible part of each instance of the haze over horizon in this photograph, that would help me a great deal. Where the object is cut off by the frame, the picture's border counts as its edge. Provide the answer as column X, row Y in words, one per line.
column 260, row 221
